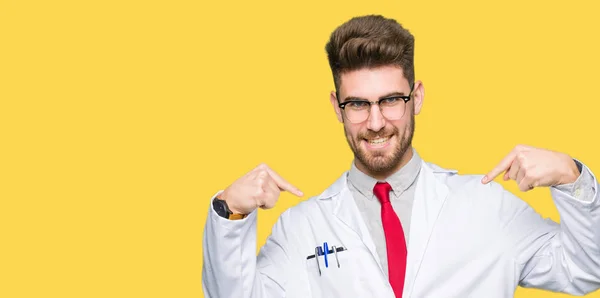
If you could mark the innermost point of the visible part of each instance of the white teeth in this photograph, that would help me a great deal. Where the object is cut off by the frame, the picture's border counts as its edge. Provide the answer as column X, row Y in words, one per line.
column 378, row 141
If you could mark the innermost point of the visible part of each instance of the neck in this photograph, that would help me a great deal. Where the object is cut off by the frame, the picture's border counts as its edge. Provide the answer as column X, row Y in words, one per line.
column 381, row 176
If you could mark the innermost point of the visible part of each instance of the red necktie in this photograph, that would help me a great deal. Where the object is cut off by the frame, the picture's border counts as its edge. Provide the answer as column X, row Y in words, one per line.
column 394, row 238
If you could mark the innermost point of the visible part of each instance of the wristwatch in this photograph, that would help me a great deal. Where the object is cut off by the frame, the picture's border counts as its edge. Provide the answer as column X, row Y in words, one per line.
column 221, row 208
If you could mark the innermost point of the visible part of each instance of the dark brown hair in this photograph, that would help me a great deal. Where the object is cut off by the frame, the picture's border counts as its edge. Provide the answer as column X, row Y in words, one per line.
column 370, row 41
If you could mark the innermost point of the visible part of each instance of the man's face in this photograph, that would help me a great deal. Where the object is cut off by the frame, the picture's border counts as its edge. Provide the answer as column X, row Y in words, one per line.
column 381, row 146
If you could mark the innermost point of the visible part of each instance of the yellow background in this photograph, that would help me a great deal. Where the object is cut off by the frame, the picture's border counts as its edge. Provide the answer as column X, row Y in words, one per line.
column 120, row 119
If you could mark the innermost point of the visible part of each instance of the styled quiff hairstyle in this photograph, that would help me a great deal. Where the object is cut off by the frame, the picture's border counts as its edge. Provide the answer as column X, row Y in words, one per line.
column 368, row 42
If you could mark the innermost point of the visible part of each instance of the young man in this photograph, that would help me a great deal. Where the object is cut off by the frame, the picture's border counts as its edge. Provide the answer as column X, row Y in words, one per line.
column 395, row 225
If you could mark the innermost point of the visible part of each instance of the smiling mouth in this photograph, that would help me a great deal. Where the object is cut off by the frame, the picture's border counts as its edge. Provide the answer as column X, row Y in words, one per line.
column 378, row 141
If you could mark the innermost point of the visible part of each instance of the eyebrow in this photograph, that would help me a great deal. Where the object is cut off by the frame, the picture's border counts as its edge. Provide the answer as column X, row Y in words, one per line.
column 396, row 93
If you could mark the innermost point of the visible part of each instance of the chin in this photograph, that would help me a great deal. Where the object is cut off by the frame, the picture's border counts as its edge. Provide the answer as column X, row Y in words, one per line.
column 380, row 163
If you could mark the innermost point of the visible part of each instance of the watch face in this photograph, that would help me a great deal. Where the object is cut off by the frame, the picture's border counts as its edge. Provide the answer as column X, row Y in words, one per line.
column 220, row 208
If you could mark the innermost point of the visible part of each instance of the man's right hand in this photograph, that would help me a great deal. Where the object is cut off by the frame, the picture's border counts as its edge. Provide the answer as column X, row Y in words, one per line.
column 258, row 188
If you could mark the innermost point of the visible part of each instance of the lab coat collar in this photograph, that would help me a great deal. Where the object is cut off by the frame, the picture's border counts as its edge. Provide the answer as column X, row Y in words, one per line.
column 430, row 195
column 346, row 211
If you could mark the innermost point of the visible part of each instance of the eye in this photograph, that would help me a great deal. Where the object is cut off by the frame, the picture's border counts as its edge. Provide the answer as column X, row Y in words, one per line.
column 390, row 101
column 358, row 105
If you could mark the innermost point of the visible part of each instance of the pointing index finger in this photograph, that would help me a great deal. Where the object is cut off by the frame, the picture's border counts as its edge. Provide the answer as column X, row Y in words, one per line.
column 501, row 167
column 283, row 184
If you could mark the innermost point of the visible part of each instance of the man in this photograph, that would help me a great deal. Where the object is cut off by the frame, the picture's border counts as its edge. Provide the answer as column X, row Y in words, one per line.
column 395, row 225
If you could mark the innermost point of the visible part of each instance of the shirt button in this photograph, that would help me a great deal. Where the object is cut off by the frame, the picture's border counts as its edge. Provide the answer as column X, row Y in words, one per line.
column 577, row 192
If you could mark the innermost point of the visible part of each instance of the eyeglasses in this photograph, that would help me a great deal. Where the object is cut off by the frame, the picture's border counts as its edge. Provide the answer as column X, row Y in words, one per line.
column 391, row 107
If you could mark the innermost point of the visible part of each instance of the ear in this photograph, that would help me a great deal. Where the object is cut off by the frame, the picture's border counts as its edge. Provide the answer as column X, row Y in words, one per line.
column 418, row 96
column 336, row 107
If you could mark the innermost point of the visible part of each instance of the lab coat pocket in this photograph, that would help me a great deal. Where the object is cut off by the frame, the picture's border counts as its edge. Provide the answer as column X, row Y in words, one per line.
column 329, row 280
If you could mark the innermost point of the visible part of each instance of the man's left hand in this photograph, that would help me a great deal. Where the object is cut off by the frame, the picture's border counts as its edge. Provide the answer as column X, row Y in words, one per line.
column 534, row 167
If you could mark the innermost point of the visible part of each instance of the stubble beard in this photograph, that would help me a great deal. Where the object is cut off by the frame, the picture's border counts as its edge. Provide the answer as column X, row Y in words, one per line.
column 377, row 162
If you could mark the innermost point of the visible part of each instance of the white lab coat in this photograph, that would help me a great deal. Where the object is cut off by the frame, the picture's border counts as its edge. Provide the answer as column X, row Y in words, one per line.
column 467, row 239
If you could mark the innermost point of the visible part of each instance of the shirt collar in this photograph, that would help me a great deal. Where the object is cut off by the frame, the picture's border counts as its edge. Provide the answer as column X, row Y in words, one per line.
column 400, row 180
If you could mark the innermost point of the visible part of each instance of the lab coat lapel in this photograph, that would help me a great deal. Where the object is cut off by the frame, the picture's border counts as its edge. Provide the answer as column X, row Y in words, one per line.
column 430, row 195
column 346, row 211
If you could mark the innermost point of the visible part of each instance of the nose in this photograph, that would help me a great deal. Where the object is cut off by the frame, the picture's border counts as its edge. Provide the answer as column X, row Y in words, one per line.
column 376, row 121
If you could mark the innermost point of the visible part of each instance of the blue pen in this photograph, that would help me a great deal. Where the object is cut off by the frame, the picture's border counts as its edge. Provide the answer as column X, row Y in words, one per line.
column 326, row 252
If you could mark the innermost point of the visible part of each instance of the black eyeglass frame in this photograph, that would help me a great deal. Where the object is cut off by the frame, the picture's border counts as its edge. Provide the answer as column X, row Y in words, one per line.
column 406, row 98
